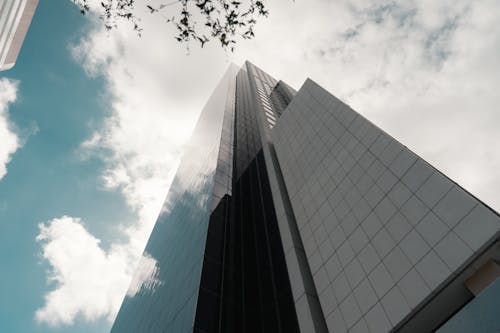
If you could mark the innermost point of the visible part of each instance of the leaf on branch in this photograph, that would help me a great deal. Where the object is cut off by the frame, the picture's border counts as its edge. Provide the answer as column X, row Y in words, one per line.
column 222, row 20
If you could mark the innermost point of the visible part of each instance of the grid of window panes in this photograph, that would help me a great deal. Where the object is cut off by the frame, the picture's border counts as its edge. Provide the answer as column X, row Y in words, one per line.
column 382, row 229
column 244, row 284
column 264, row 84
column 176, row 246
column 224, row 170
column 281, row 96
column 247, row 134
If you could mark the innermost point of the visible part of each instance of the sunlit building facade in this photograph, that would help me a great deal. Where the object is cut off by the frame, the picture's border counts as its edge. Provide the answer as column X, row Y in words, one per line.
column 290, row 212
column 15, row 19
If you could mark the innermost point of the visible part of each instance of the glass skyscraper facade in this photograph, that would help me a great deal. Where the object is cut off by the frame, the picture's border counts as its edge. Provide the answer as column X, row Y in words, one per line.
column 290, row 212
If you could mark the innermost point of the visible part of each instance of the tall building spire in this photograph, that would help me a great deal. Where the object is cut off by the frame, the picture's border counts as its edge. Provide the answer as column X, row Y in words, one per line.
column 291, row 212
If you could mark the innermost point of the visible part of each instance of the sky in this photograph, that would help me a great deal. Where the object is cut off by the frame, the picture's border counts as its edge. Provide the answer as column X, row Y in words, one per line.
column 92, row 126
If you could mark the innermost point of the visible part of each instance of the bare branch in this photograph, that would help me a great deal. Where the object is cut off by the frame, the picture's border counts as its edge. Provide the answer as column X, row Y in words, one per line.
column 222, row 20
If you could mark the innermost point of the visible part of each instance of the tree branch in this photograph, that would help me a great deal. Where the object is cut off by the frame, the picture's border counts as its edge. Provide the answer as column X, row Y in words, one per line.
column 222, row 20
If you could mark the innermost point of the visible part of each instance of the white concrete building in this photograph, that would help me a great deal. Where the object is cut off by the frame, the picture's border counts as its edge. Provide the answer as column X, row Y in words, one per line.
column 15, row 19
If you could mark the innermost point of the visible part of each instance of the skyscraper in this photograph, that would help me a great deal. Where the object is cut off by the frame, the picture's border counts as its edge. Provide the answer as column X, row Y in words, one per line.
column 15, row 19
column 290, row 212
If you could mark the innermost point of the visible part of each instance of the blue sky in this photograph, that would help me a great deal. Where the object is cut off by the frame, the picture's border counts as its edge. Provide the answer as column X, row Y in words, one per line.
column 101, row 120
column 56, row 105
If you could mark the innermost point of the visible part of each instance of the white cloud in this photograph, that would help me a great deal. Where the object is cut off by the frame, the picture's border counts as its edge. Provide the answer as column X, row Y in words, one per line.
column 425, row 71
column 141, row 140
column 145, row 276
column 90, row 281
column 10, row 141
column 81, row 269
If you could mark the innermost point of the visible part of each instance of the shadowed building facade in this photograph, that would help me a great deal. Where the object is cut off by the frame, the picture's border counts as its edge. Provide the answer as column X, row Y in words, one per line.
column 290, row 212
column 15, row 19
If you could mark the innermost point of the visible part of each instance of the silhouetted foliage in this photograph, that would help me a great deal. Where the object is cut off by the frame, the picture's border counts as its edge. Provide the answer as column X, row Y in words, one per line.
column 222, row 20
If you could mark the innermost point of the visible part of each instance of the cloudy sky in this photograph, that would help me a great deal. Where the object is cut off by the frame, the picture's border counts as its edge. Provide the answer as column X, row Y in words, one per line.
column 92, row 125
